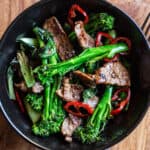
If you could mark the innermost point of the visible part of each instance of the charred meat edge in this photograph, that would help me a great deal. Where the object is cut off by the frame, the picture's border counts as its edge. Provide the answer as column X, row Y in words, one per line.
column 69, row 125
column 86, row 79
column 63, row 45
column 84, row 39
column 113, row 73
column 69, row 92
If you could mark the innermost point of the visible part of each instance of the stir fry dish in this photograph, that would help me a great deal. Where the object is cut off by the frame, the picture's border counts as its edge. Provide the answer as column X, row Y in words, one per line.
column 72, row 78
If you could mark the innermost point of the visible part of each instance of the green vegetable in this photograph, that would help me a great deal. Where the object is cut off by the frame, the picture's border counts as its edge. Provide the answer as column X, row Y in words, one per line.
column 91, row 66
column 29, row 42
column 33, row 115
column 11, row 91
column 35, row 100
column 113, row 35
column 52, row 117
column 90, row 132
column 97, row 22
column 67, row 27
column 88, row 93
column 43, row 37
column 46, row 72
column 26, row 69
column 53, row 113
column 100, row 21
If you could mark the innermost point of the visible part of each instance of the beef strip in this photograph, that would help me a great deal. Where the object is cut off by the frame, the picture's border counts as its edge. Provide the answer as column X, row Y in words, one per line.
column 69, row 125
column 72, row 122
column 70, row 92
column 113, row 73
column 87, row 79
column 22, row 86
column 93, row 101
column 84, row 39
column 37, row 88
column 63, row 45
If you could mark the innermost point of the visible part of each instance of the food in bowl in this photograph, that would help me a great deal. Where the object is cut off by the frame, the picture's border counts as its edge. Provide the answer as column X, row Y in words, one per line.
column 72, row 78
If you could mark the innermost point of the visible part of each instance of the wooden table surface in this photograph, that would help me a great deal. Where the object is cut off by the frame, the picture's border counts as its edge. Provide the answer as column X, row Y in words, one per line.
column 139, row 139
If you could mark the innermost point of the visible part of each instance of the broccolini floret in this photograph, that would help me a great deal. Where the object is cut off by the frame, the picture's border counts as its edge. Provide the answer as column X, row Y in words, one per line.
column 97, row 22
column 53, row 113
column 100, row 21
column 91, row 131
column 35, row 101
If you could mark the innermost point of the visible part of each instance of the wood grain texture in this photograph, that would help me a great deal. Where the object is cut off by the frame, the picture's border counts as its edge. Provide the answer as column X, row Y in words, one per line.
column 139, row 139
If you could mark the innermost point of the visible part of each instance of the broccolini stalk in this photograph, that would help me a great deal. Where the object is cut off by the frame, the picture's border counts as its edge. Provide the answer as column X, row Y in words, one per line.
column 97, row 22
column 33, row 115
column 11, row 91
column 51, row 119
column 29, row 42
column 113, row 34
column 46, row 72
column 91, row 131
column 57, row 113
column 91, row 65
column 26, row 69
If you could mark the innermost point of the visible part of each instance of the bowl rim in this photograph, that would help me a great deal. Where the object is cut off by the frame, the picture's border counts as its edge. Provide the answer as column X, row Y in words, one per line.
column 113, row 142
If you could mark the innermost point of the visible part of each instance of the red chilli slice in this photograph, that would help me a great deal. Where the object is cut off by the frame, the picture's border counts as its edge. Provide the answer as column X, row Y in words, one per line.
column 78, row 109
column 18, row 99
column 123, row 39
column 123, row 103
column 99, row 36
column 72, row 14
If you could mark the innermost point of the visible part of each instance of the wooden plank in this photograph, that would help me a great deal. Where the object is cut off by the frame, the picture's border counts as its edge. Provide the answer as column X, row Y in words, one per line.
column 138, row 140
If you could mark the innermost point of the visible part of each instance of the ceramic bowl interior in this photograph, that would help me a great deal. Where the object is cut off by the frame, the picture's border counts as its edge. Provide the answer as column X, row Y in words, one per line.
column 117, row 128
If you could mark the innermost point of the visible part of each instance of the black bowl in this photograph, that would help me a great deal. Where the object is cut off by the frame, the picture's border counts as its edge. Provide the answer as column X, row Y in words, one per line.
column 118, row 128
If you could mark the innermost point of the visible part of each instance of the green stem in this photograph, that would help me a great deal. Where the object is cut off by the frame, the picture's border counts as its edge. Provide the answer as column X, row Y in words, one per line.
column 47, row 101
column 46, row 94
column 87, row 55
column 26, row 69
column 54, row 88
column 10, row 75
column 100, row 109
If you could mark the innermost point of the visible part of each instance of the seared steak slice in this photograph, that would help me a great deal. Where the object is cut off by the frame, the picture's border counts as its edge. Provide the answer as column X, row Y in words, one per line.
column 93, row 101
column 69, row 125
column 70, row 92
column 87, row 79
column 37, row 88
column 84, row 39
column 113, row 73
column 64, row 47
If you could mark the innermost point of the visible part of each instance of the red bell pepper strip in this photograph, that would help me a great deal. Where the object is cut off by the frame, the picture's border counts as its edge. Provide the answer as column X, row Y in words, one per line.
column 123, row 39
column 123, row 103
column 99, row 43
column 72, row 14
column 78, row 109
column 18, row 99
column 99, row 38
column 115, row 58
column 114, row 41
